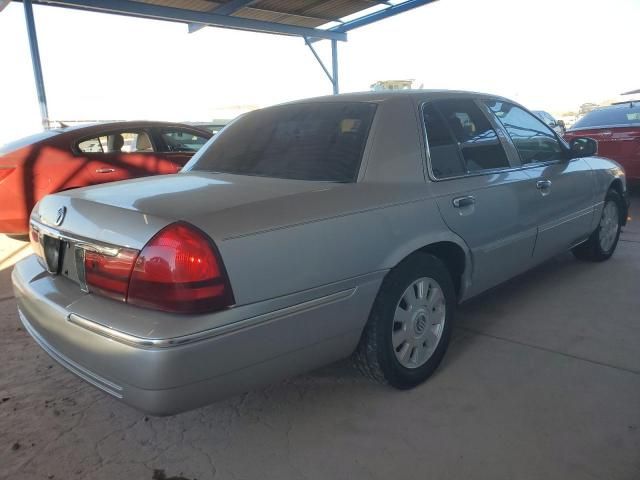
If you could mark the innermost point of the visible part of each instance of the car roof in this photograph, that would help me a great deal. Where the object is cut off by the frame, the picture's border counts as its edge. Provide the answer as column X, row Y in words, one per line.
column 381, row 96
column 632, row 105
column 124, row 124
column 618, row 105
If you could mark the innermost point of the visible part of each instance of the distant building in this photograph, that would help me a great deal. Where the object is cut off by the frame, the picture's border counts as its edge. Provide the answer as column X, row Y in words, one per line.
column 393, row 85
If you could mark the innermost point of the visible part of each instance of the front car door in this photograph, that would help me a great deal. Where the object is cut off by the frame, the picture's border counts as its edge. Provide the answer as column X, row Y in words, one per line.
column 480, row 194
column 564, row 203
column 178, row 145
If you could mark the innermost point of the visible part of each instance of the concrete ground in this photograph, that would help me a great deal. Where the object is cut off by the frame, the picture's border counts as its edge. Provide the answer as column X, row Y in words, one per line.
column 542, row 381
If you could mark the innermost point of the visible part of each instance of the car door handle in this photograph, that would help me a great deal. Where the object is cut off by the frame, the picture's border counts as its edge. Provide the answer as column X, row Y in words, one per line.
column 461, row 202
column 543, row 184
column 105, row 170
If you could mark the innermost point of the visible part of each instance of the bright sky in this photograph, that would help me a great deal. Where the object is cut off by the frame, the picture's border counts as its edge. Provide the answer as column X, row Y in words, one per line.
column 547, row 54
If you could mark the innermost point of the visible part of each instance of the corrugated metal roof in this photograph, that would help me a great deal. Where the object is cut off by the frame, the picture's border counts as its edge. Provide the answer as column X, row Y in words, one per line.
column 312, row 18
column 196, row 5
column 303, row 13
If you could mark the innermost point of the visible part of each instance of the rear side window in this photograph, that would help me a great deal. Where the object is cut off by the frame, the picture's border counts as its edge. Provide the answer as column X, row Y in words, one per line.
column 610, row 117
column 534, row 141
column 304, row 141
column 446, row 158
column 117, row 142
column 461, row 139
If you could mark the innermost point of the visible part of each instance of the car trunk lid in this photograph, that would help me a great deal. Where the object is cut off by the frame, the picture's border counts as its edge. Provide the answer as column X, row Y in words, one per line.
column 129, row 213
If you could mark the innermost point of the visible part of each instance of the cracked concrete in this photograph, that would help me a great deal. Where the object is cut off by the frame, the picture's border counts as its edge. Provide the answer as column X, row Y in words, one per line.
column 542, row 381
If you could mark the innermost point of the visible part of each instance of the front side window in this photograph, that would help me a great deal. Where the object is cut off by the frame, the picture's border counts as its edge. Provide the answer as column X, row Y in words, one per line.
column 177, row 140
column 117, row 142
column 303, row 141
column 534, row 141
column 461, row 139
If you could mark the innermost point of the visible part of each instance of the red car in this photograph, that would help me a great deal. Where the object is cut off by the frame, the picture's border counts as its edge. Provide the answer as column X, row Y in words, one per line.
column 79, row 156
column 617, row 131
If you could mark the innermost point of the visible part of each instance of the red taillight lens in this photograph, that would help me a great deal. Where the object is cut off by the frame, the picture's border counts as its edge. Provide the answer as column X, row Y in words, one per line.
column 179, row 270
column 109, row 275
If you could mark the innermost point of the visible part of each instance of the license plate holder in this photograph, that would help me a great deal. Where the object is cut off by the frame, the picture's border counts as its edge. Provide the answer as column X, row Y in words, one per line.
column 53, row 251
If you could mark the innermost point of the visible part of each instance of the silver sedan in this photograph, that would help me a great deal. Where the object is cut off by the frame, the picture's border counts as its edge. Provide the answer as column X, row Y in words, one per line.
column 305, row 233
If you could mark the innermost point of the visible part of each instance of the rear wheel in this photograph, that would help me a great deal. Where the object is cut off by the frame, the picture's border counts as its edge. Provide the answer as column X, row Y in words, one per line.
column 410, row 323
column 604, row 239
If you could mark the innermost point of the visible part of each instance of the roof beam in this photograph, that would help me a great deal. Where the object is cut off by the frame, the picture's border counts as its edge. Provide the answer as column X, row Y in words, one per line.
column 380, row 15
column 158, row 12
column 228, row 8
column 245, row 4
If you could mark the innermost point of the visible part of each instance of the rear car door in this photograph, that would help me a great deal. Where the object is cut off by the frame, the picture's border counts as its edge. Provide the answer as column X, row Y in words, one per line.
column 479, row 193
column 123, row 154
column 621, row 144
column 565, row 187
column 617, row 131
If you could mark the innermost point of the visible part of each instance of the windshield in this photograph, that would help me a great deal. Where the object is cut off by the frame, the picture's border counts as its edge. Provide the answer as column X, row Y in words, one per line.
column 23, row 142
column 308, row 141
column 609, row 117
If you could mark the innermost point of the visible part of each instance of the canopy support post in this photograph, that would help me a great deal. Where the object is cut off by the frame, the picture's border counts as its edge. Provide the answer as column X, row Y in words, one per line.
column 333, row 75
column 35, row 61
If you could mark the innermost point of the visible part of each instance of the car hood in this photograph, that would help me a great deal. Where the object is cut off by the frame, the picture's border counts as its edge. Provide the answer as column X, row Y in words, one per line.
column 128, row 213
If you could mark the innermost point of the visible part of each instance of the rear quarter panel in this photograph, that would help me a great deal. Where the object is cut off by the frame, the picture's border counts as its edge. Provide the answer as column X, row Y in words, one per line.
column 384, row 226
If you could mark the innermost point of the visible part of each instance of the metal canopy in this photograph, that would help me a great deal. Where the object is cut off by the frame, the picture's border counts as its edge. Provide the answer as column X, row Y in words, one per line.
column 312, row 20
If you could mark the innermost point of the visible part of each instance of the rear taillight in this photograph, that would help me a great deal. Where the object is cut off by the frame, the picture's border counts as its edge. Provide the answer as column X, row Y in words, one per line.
column 5, row 172
column 179, row 270
column 109, row 275
column 36, row 246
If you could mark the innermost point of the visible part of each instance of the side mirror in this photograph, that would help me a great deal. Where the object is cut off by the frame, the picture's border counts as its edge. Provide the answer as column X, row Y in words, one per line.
column 583, row 147
column 560, row 123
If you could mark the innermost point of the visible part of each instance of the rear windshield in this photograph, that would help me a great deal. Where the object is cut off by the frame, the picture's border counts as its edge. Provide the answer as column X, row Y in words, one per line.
column 609, row 117
column 23, row 142
column 309, row 141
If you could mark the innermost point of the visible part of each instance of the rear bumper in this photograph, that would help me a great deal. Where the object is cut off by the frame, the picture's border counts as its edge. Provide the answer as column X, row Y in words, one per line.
column 162, row 376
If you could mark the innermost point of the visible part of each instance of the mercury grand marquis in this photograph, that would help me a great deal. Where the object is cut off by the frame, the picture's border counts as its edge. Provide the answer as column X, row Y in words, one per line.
column 305, row 233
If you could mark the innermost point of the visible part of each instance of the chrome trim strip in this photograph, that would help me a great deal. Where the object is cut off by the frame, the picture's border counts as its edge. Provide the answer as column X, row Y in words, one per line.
column 574, row 216
column 79, row 242
column 503, row 242
column 142, row 342
column 80, row 269
column 94, row 379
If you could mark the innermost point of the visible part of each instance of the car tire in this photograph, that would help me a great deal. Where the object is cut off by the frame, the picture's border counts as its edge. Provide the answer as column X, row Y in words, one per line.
column 23, row 237
column 604, row 239
column 410, row 323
